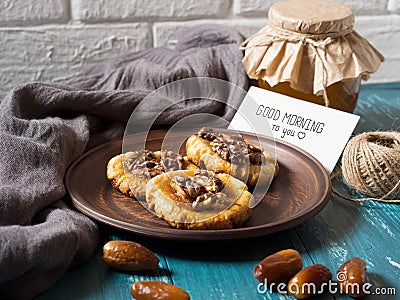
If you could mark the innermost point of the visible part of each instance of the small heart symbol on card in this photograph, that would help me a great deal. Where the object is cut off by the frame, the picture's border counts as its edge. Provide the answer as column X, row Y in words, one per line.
column 301, row 135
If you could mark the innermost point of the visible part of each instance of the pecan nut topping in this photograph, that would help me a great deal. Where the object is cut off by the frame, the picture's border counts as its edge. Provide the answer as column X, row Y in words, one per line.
column 232, row 148
column 145, row 163
column 200, row 188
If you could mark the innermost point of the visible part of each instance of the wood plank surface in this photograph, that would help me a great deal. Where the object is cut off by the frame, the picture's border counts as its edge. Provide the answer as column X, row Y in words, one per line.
column 223, row 270
column 369, row 230
column 95, row 280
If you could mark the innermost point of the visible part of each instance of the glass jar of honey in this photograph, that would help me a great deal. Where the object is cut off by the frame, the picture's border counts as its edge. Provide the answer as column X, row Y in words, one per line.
column 310, row 51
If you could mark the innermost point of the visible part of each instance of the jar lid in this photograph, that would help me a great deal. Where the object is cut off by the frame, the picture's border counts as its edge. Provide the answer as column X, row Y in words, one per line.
column 311, row 16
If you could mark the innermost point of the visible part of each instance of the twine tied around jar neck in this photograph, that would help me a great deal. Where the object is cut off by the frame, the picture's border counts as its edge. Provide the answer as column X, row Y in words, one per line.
column 320, row 40
column 371, row 166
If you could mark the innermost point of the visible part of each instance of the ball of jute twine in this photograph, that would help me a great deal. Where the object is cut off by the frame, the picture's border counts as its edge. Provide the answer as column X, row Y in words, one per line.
column 371, row 165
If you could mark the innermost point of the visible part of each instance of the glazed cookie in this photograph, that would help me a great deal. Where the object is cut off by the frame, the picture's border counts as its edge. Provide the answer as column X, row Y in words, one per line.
column 130, row 172
column 199, row 199
column 231, row 154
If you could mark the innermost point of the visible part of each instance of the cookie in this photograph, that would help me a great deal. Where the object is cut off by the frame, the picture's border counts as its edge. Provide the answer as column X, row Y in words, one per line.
column 231, row 154
column 199, row 199
column 130, row 172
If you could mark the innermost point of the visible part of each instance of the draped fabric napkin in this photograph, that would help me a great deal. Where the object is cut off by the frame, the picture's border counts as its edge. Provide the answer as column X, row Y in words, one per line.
column 45, row 126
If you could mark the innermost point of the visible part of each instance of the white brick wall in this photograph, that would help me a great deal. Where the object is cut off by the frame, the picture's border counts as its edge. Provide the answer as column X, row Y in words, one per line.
column 44, row 53
column 252, row 8
column 31, row 12
column 148, row 10
column 43, row 40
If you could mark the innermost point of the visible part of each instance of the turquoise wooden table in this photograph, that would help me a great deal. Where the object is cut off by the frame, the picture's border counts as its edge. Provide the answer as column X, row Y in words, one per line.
column 223, row 270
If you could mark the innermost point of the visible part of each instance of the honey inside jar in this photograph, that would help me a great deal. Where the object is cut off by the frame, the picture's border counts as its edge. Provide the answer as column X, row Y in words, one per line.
column 341, row 95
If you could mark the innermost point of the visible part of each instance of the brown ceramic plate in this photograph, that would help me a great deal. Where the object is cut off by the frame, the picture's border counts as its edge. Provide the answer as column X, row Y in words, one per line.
column 301, row 189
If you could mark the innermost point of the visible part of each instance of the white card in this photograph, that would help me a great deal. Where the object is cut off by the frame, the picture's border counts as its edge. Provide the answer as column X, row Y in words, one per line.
column 321, row 131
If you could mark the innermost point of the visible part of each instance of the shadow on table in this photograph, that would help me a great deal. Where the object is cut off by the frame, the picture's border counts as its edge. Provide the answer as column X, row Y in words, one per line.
column 251, row 249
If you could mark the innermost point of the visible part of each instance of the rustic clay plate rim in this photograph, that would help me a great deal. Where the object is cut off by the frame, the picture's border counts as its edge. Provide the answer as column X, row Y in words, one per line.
column 221, row 234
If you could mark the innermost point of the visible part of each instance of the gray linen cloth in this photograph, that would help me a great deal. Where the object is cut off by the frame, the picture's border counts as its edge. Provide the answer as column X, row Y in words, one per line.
column 45, row 126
